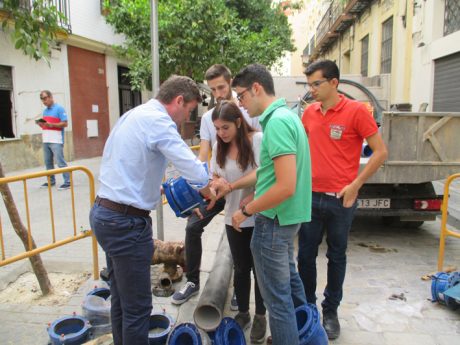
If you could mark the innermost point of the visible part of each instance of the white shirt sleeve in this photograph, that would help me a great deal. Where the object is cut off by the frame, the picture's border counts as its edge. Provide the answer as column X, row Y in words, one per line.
column 256, row 143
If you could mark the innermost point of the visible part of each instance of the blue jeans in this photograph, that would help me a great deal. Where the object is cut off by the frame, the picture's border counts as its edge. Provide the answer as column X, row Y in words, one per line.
column 53, row 151
column 330, row 217
column 272, row 248
column 128, row 244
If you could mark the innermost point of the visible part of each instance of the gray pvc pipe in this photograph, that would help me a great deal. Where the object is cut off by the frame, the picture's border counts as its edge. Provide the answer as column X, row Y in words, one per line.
column 209, row 310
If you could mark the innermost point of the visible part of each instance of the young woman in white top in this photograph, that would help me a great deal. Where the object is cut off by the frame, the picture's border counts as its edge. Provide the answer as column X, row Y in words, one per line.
column 235, row 154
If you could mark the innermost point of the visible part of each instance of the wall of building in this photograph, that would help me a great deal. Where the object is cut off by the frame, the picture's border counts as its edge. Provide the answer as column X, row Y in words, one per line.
column 429, row 44
column 303, row 23
column 89, row 32
column 88, row 22
column 346, row 50
column 29, row 78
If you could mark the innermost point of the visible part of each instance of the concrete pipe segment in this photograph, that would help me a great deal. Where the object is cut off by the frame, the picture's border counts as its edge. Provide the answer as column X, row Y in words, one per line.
column 209, row 311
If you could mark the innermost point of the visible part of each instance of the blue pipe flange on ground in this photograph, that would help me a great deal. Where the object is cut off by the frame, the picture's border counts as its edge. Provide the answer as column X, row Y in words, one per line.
column 187, row 334
column 440, row 282
column 311, row 332
column 69, row 330
column 160, row 325
column 228, row 333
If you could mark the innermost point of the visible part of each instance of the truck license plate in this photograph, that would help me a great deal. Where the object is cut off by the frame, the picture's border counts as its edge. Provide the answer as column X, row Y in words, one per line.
column 373, row 203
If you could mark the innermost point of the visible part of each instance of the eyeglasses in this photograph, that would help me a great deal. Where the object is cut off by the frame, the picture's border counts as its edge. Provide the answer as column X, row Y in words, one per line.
column 316, row 84
column 239, row 96
column 43, row 98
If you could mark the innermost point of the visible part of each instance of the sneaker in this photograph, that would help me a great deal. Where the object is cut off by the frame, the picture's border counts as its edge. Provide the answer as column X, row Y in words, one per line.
column 64, row 186
column 258, row 329
column 233, row 303
column 45, row 185
column 243, row 320
column 183, row 295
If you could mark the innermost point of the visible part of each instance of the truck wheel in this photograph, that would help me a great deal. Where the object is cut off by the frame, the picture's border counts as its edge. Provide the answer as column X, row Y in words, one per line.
column 396, row 222
column 412, row 224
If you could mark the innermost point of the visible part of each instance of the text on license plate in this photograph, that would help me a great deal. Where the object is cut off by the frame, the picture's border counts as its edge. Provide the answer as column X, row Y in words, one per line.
column 373, row 203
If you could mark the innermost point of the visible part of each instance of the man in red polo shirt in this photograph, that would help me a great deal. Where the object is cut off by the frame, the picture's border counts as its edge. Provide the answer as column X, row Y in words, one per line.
column 336, row 127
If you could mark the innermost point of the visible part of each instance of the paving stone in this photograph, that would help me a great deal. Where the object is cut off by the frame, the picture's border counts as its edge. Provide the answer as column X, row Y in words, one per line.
column 408, row 339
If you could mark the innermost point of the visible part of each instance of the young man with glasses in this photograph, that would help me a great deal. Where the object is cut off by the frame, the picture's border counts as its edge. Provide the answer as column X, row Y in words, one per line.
column 53, row 122
column 219, row 79
column 282, row 200
column 336, row 127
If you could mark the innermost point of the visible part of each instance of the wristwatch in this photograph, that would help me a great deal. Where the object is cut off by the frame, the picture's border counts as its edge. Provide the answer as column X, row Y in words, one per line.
column 243, row 211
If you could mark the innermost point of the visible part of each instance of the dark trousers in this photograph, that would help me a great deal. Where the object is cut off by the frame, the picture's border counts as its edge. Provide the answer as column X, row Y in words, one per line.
column 330, row 217
column 128, row 244
column 243, row 264
column 193, row 248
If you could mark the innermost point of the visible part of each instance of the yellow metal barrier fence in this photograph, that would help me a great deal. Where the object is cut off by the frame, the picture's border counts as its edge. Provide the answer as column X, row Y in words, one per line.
column 444, row 231
column 54, row 244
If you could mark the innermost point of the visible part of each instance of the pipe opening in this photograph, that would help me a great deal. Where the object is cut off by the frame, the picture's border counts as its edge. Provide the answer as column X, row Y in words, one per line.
column 69, row 326
column 207, row 317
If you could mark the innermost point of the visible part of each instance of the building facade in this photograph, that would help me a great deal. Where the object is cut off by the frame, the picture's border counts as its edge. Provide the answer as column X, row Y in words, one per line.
column 414, row 43
column 436, row 55
column 85, row 77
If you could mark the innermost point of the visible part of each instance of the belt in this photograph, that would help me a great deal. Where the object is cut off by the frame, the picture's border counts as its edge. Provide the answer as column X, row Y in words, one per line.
column 328, row 193
column 125, row 209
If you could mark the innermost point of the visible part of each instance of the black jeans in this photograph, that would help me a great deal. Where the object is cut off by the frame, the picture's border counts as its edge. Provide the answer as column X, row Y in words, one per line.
column 193, row 230
column 243, row 264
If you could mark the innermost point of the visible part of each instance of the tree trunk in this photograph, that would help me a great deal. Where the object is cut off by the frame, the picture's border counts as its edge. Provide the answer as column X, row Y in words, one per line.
column 21, row 231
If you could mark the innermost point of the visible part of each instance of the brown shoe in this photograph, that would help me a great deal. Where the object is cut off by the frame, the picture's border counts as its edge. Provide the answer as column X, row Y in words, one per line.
column 269, row 339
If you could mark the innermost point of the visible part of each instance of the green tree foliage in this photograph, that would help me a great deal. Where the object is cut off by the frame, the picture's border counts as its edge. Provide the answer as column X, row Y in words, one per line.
column 33, row 27
column 194, row 34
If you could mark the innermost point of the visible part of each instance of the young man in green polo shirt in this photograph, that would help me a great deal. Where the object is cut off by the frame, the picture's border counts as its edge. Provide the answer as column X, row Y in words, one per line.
column 282, row 201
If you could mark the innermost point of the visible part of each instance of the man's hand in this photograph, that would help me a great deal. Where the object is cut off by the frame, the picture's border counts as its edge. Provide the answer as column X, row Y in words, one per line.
column 222, row 187
column 198, row 212
column 209, row 194
column 238, row 218
column 349, row 194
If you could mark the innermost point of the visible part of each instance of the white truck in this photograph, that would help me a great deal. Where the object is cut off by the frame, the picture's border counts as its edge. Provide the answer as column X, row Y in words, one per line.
column 422, row 148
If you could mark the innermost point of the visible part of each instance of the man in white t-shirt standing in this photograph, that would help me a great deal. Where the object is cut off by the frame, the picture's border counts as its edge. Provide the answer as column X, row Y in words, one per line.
column 219, row 80
column 53, row 123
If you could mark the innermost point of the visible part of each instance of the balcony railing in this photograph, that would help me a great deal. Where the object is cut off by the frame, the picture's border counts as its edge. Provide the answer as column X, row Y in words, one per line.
column 63, row 6
column 338, row 17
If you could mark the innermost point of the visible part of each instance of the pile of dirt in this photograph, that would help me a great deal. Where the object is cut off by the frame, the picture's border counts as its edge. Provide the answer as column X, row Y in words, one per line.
column 26, row 290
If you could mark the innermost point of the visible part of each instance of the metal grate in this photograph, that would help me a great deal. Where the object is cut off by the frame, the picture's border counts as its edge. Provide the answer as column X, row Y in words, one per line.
column 364, row 55
column 387, row 42
column 451, row 16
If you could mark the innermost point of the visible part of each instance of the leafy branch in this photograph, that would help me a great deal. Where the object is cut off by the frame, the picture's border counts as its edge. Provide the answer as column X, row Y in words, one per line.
column 34, row 28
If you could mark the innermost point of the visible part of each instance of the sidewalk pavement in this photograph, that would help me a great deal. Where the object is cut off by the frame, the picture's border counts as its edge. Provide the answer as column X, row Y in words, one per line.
column 385, row 301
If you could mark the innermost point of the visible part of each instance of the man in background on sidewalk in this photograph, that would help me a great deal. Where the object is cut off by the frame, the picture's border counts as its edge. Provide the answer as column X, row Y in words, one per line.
column 52, row 123
column 336, row 128
column 133, row 164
